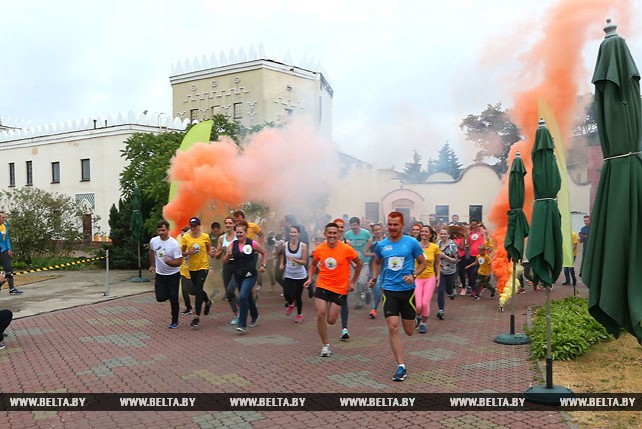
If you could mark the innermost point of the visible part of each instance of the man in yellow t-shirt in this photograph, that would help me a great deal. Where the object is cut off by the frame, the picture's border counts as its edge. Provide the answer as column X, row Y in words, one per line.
column 483, row 273
column 569, row 272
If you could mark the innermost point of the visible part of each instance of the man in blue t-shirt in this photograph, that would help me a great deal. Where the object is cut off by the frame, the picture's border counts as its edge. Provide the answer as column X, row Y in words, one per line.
column 360, row 240
column 395, row 258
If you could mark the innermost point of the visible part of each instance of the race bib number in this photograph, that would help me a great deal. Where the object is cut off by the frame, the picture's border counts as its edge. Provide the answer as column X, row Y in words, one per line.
column 395, row 263
column 481, row 261
column 330, row 263
column 247, row 249
column 196, row 248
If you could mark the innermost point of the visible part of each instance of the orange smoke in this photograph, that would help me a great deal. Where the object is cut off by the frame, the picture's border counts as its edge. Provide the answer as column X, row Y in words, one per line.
column 288, row 169
column 556, row 66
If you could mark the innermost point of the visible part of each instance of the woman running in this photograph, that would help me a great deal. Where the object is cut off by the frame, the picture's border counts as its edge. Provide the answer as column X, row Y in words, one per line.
column 224, row 242
column 293, row 264
column 448, row 269
column 426, row 281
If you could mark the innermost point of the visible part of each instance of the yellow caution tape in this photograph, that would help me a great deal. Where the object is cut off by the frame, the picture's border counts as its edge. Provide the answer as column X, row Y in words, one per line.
column 55, row 267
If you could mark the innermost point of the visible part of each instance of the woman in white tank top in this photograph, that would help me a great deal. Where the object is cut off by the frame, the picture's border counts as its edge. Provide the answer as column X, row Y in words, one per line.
column 293, row 261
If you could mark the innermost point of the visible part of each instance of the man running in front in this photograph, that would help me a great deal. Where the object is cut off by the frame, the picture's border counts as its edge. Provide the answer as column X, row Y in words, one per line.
column 395, row 260
column 333, row 282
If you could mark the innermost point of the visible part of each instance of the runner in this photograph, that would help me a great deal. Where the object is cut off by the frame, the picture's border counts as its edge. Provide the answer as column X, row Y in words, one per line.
column 345, row 309
column 428, row 278
column 333, row 282
column 360, row 240
column 395, row 258
column 448, row 269
column 223, row 243
column 192, row 245
column 377, row 230
column 293, row 262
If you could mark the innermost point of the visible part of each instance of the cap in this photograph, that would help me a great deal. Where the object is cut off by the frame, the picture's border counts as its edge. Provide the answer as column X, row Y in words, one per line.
column 195, row 220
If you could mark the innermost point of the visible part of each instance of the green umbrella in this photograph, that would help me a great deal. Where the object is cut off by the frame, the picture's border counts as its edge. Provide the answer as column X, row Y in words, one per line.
column 136, row 228
column 517, row 229
column 516, row 232
column 544, row 249
column 611, row 268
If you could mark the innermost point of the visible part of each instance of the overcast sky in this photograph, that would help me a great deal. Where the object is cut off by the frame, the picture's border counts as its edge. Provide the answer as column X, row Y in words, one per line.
column 404, row 73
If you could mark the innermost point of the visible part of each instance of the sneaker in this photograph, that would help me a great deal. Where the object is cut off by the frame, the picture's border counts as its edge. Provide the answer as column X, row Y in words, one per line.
column 299, row 318
column 235, row 321
column 254, row 322
column 289, row 309
column 187, row 311
column 2, row 346
column 565, row 284
column 422, row 328
column 325, row 350
column 440, row 315
column 476, row 298
column 174, row 325
column 15, row 291
column 358, row 306
column 241, row 329
column 417, row 321
column 463, row 292
column 208, row 307
column 400, row 374
column 493, row 292
column 452, row 296
column 345, row 335
column 195, row 322
column 373, row 314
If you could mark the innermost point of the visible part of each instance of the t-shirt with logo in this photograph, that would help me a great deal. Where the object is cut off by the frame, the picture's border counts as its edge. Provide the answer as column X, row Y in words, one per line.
column 398, row 261
column 199, row 260
column 334, row 267
column 359, row 241
column 475, row 239
column 484, row 265
column 162, row 248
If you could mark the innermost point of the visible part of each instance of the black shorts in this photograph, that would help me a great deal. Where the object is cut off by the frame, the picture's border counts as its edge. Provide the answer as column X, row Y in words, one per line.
column 329, row 296
column 397, row 303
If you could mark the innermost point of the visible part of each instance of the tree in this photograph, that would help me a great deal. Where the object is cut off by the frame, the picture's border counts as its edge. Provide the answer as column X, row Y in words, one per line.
column 447, row 162
column 42, row 224
column 493, row 132
column 413, row 172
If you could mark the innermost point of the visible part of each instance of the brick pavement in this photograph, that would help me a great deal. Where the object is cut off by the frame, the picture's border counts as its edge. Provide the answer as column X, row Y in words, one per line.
column 123, row 345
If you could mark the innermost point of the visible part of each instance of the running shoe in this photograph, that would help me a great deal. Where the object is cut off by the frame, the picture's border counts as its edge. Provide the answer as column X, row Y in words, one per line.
column 15, row 291
column 358, row 306
column 476, row 298
column 2, row 346
column 417, row 321
column 493, row 292
column 289, row 309
column 195, row 322
column 345, row 335
column 299, row 318
column 235, row 321
column 400, row 374
column 174, row 325
column 422, row 328
column 187, row 311
column 208, row 307
column 325, row 350
column 241, row 329
column 452, row 296
column 373, row 314
column 463, row 291
column 440, row 315
column 522, row 290
column 255, row 321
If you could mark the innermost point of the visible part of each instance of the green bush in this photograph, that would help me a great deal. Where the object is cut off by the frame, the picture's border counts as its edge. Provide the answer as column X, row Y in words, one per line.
column 573, row 330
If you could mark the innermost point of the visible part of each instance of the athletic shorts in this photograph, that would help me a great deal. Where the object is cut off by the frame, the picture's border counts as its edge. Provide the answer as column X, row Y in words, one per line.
column 329, row 296
column 397, row 303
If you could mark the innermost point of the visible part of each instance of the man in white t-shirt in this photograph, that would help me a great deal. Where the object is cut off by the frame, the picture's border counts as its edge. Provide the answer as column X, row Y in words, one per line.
column 165, row 259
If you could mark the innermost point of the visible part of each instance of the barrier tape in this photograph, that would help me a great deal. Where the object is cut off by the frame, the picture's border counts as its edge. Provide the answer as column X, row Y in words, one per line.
column 55, row 267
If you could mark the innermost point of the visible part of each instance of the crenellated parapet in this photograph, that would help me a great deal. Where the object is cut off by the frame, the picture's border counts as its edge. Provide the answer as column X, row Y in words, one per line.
column 160, row 120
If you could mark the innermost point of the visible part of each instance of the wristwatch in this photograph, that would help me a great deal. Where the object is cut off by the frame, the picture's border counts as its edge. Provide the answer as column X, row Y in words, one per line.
column 414, row 276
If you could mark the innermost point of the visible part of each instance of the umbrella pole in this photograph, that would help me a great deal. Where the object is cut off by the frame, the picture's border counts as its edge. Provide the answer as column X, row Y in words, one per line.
column 140, row 274
column 512, row 301
column 549, row 352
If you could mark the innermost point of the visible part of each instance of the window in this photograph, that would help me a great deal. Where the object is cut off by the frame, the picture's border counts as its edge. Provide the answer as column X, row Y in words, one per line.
column 238, row 110
column 85, row 173
column 29, row 173
column 475, row 213
column 216, row 110
column 193, row 115
column 55, row 172
column 442, row 213
column 12, row 174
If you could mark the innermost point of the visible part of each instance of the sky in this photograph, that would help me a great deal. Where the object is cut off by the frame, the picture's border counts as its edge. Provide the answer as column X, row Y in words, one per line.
column 404, row 73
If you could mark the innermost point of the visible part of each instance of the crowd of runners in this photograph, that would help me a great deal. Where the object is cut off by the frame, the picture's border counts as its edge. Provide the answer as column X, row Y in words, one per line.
column 393, row 269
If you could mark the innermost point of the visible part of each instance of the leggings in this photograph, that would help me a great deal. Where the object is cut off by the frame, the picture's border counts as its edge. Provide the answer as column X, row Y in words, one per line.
column 186, row 287
column 446, row 286
column 5, row 261
column 5, row 321
column 230, row 287
column 198, row 281
column 293, row 289
column 424, row 289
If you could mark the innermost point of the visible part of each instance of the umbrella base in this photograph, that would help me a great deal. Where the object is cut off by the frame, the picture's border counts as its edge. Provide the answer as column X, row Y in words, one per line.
column 139, row 280
column 547, row 396
column 512, row 339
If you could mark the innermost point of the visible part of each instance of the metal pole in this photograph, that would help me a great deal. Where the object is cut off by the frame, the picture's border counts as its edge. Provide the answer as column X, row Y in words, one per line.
column 549, row 353
column 512, row 301
column 107, row 272
column 140, row 274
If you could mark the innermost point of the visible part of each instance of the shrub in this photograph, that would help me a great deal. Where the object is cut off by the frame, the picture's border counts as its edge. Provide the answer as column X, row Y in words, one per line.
column 573, row 329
